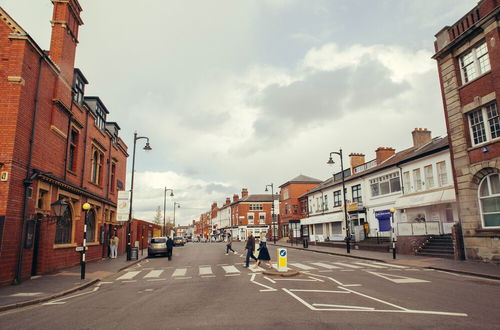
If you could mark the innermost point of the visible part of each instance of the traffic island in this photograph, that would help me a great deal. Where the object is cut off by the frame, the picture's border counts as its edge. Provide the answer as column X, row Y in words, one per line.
column 288, row 273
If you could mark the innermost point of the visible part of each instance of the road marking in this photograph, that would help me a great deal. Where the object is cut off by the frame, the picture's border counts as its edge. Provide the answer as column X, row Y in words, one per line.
column 270, row 279
column 205, row 276
column 255, row 269
column 232, row 274
column 25, row 294
column 302, row 266
column 100, row 283
column 347, row 270
column 157, row 279
column 327, row 266
column 334, row 280
column 268, row 288
column 368, row 265
column 205, row 270
column 131, row 281
column 148, row 290
column 390, row 265
column 325, row 271
column 326, row 291
column 398, row 279
column 182, row 278
column 230, row 269
column 345, row 306
column 346, row 265
column 299, row 299
column 179, row 272
column 311, row 279
column 128, row 275
column 154, row 273
column 60, row 300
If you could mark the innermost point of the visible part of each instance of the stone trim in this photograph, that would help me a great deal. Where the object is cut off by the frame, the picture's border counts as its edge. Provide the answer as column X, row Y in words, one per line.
column 479, row 101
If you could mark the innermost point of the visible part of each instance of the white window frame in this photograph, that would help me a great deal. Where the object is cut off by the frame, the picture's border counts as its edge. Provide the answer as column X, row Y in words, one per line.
column 250, row 216
column 417, row 179
column 442, row 174
column 429, row 177
column 476, row 62
column 485, row 124
column 490, row 195
column 407, row 182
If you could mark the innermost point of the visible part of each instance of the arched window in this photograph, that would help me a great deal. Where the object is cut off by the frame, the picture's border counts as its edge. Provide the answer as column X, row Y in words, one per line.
column 95, row 162
column 489, row 201
column 91, row 222
column 63, row 228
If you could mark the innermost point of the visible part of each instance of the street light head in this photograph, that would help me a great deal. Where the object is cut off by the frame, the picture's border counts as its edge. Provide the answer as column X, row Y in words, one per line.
column 330, row 161
column 172, row 194
column 178, row 206
column 147, row 147
column 266, row 189
column 392, row 210
column 86, row 206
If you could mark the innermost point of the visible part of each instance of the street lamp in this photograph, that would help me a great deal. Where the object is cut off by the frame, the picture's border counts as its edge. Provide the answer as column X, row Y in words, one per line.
column 147, row 147
column 86, row 207
column 272, row 210
column 165, row 206
column 348, row 230
column 393, row 234
column 175, row 205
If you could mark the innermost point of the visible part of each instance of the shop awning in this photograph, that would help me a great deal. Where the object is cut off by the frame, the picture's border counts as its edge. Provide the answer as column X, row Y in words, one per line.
column 426, row 199
column 324, row 218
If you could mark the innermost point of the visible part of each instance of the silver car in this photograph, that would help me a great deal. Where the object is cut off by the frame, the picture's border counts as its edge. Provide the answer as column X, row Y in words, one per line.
column 158, row 245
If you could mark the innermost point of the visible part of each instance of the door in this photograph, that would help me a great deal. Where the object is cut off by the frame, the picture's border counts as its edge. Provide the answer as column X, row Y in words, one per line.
column 36, row 246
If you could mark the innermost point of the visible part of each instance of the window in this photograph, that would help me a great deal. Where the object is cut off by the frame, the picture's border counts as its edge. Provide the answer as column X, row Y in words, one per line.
column 73, row 148
column 406, row 182
column 417, row 179
column 43, row 199
column 256, row 207
column 262, row 217
column 474, row 63
column 113, row 178
column 481, row 132
column 96, row 169
column 63, row 228
column 100, row 119
column 489, row 201
column 326, row 202
column 250, row 218
column 285, row 193
column 295, row 209
column 91, row 224
column 336, row 199
column 78, row 90
column 385, row 184
column 442, row 175
column 318, row 204
column 429, row 177
column 356, row 194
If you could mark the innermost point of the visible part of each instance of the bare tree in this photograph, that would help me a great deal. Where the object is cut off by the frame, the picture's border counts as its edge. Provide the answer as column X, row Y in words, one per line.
column 158, row 217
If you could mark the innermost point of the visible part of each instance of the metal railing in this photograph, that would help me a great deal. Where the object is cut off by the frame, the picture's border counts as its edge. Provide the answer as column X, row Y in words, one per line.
column 424, row 228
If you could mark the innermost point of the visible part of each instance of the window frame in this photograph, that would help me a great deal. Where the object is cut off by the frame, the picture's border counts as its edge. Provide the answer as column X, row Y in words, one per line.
column 475, row 63
column 490, row 195
column 65, row 237
column 485, row 126
column 91, row 228
column 73, row 149
column 337, row 198
column 439, row 166
column 356, row 194
column 429, row 178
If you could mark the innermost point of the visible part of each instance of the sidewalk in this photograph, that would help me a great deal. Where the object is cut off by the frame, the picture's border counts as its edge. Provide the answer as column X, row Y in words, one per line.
column 474, row 268
column 45, row 287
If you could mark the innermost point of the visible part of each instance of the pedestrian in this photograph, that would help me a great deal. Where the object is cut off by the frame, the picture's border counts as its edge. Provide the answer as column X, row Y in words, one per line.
column 113, row 244
column 170, row 247
column 228, row 244
column 263, row 252
column 250, row 247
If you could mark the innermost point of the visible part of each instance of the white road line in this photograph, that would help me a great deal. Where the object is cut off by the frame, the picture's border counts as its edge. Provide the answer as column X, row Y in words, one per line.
column 327, row 266
column 269, row 279
column 230, row 269
column 205, row 270
column 182, row 278
column 255, row 269
column 179, row 272
column 25, row 294
column 157, row 279
column 346, row 265
column 232, row 275
column 325, row 291
column 398, row 279
column 131, row 281
column 390, row 265
column 205, row 276
column 302, row 266
column 346, row 306
column 154, row 273
column 299, row 299
column 252, row 279
column 128, row 275
column 366, row 264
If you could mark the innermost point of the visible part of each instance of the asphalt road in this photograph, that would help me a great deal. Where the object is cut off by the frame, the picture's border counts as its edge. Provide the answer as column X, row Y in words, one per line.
column 204, row 288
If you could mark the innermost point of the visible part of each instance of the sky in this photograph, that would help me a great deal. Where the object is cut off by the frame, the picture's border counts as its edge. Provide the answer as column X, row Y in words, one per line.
column 242, row 94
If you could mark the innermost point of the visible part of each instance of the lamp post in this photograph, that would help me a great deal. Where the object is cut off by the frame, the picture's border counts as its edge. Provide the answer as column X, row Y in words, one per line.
column 147, row 147
column 272, row 210
column 165, row 207
column 393, row 234
column 86, row 207
column 175, row 205
column 347, row 224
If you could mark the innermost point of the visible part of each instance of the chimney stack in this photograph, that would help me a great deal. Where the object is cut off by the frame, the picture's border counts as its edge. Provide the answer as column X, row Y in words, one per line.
column 244, row 192
column 421, row 136
column 356, row 160
column 384, row 153
column 235, row 198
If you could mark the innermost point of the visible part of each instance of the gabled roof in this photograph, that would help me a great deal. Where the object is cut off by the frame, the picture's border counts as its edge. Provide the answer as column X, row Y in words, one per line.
column 301, row 179
column 10, row 22
column 258, row 198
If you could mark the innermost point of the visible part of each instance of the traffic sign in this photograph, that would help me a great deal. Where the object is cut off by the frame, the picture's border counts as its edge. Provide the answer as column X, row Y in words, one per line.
column 282, row 260
column 80, row 248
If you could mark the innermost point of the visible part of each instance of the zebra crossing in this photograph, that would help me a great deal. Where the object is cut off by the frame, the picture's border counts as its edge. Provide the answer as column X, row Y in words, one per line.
column 212, row 271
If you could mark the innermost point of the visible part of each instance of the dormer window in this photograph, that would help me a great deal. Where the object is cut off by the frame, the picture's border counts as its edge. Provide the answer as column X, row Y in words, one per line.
column 100, row 119
column 78, row 90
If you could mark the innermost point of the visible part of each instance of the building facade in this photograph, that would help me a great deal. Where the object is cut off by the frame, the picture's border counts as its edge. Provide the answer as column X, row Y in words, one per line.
column 468, row 60
column 57, row 152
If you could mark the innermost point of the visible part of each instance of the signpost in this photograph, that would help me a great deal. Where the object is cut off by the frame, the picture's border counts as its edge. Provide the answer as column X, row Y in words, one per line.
column 282, row 260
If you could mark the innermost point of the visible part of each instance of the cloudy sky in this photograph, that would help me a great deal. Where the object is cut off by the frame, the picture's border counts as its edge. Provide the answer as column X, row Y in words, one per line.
column 245, row 93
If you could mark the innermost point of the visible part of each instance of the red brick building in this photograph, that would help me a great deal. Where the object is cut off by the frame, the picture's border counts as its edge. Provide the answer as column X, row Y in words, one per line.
column 289, row 200
column 468, row 59
column 55, row 145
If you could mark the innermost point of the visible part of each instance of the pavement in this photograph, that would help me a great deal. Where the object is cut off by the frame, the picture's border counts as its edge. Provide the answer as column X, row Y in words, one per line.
column 42, row 288
column 46, row 287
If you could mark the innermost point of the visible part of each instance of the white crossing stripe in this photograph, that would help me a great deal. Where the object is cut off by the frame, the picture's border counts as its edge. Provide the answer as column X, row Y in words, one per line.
column 128, row 275
column 255, row 269
column 179, row 272
column 346, row 265
column 368, row 264
column 327, row 266
column 390, row 265
column 154, row 273
column 206, row 270
column 230, row 269
column 302, row 266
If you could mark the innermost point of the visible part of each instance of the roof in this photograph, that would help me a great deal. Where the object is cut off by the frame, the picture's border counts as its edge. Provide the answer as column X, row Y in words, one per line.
column 258, row 198
column 435, row 145
column 302, row 179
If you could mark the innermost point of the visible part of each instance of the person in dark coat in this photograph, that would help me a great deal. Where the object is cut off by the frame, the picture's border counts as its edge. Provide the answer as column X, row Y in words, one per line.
column 170, row 247
column 250, row 247
column 229, row 243
column 263, row 252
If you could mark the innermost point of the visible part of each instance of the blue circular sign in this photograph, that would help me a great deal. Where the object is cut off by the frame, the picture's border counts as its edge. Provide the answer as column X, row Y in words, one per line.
column 283, row 253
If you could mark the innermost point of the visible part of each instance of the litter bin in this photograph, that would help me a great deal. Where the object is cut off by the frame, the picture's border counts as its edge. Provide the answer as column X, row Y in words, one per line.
column 134, row 253
column 305, row 242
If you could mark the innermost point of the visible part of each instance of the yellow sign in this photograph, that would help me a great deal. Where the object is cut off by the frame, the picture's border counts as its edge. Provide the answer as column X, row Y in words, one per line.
column 4, row 176
column 282, row 260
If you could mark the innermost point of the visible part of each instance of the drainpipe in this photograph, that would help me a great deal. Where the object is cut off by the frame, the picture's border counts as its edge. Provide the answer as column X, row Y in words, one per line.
column 29, row 176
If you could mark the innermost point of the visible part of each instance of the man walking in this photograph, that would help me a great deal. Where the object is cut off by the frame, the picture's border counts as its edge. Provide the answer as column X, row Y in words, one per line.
column 113, row 244
column 229, row 243
column 170, row 247
column 250, row 246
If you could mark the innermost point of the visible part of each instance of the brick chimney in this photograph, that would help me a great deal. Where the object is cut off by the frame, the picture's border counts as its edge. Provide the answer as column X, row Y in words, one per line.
column 356, row 160
column 384, row 153
column 421, row 136
column 228, row 201
column 244, row 192
column 235, row 197
column 65, row 23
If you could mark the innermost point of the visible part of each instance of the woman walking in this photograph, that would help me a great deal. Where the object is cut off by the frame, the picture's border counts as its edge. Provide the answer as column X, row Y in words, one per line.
column 263, row 252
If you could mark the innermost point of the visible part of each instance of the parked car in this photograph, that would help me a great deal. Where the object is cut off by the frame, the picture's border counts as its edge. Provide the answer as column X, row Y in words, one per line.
column 178, row 241
column 157, row 245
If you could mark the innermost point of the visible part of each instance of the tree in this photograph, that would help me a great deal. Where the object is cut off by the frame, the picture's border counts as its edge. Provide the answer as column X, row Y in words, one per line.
column 158, row 217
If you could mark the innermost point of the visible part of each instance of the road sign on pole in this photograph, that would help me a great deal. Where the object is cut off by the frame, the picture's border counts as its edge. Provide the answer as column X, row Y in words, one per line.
column 282, row 260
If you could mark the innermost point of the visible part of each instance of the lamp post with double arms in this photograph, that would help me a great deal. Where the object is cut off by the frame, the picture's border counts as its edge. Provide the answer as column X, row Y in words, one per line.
column 393, row 234
column 165, row 208
column 347, row 224
column 147, row 147
column 175, row 205
column 272, row 211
